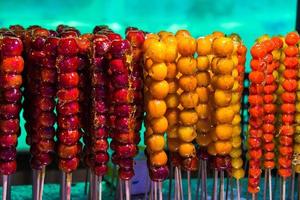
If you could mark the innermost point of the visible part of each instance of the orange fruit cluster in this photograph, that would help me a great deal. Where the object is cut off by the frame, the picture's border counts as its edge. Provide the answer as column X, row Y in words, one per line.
column 187, row 81
column 288, row 105
column 203, row 126
column 156, row 90
column 239, row 55
column 223, row 83
column 256, row 111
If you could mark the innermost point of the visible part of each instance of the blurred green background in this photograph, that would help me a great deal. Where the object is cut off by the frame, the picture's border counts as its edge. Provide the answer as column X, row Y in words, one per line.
column 249, row 18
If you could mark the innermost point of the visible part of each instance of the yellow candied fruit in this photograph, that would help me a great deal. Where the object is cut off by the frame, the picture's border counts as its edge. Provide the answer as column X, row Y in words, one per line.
column 158, row 159
column 189, row 99
column 236, row 141
column 235, row 86
column 224, row 115
column 222, row 46
column 182, row 32
column 150, row 38
column 298, row 106
column 172, row 117
column 156, row 108
column 297, row 138
column 159, row 89
column 297, row 169
column 222, row 98
column 213, row 135
column 237, row 163
column 159, row 125
column 224, row 131
column 171, row 70
column 156, row 51
column 203, row 139
column 236, row 107
column 297, row 148
column 148, row 64
column 155, row 143
column 236, row 152
column 204, row 46
column 187, row 65
column 186, row 45
column 223, row 147
column 202, row 63
column 187, row 83
column 171, row 52
column 203, row 79
column 225, row 66
column 203, row 93
column 236, row 130
column 202, row 111
column 236, row 120
column 188, row 117
column 224, row 82
column 235, row 98
column 172, row 100
column 186, row 133
column 297, row 129
column 187, row 150
column 158, row 71
column 238, row 173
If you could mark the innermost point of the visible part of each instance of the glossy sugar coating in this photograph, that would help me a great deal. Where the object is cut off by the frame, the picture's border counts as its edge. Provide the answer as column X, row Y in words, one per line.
column 11, row 68
column 288, row 105
column 159, row 55
column 240, row 50
column 68, row 64
column 222, row 82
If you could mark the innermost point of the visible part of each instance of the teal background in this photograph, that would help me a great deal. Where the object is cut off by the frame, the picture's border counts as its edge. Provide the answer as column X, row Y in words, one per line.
column 249, row 18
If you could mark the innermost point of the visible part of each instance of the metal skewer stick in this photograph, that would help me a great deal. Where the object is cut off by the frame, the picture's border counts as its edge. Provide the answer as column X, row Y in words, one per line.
column 8, row 187
column 231, row 189
column 155, row 190
column 63, row 186
column 121, row 189
column 270, row 183
column 42, row 182
column 265, row 184
column 238, row 189
column 253, row 196
column 189, row 185
column 68, row 187
column 214, row 194
column 283, row 188
column 4, row 186
column 222, row 185
column 198, row 180
column 180, row 181
column 127, row 190
column 227, row 187
column 100, row 188
column 177, row 184
column 160, row 191
column 38, row 184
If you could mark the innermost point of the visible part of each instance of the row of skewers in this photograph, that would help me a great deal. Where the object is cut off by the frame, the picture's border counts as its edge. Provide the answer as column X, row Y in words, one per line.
column 99, row 85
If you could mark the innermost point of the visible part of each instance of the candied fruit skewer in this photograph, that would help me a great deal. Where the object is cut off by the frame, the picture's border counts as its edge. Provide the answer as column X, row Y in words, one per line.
column 288, row 108
column 157, row 89
column 204, row 124
column 124, row 126
column 256, row 110
column 189, row 110
column 12, row 65
column 223, row 83
column 237, row 170
column 96, row 144
column 67, row 64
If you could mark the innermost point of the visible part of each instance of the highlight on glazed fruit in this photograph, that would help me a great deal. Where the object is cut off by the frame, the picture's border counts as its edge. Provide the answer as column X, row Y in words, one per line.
column 189, row 97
